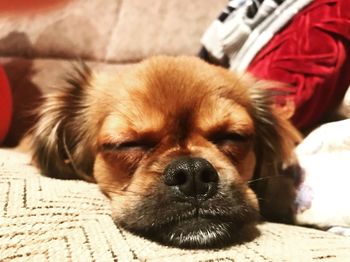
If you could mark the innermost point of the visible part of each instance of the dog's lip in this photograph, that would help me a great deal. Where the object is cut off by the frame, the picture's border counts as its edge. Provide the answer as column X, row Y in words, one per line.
column 205, row 215
column 194, row 231
column 197, row 225
column 197, row 213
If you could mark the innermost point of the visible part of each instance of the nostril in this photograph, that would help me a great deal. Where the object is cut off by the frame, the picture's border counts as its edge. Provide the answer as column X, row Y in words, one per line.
column 205, row 171
column 180, row 177
column 208, row 176
column 177, row 174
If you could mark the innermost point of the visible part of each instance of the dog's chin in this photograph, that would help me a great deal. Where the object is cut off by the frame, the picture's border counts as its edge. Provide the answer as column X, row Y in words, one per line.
column 195, row 232
column 227, row 218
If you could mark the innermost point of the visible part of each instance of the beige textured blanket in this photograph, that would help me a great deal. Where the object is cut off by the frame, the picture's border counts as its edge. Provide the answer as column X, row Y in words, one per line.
column 44, row 219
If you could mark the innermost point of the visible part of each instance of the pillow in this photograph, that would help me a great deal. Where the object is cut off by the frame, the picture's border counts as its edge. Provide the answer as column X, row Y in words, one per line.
column 323, row 196
column 45, row 219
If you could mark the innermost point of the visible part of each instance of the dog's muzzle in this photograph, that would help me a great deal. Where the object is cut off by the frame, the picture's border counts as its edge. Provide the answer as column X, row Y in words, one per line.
column 192, row 208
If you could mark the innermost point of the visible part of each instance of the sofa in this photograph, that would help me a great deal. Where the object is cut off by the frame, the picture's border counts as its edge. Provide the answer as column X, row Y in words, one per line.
column 45, row 219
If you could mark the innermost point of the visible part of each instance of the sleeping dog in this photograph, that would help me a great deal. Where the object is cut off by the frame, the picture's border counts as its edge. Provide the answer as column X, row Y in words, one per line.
column 189, row 153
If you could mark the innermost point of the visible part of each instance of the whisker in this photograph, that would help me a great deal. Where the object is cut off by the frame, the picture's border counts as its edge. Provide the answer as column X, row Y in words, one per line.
column 261, row 178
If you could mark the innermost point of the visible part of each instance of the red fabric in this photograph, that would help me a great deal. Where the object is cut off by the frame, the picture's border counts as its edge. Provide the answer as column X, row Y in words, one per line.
column 312, row 55
column 5, row 105
column 18, row 7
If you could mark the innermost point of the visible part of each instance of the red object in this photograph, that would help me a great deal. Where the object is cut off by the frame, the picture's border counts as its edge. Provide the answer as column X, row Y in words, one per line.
column 5, row 105
column 19, row 7
column 312, row 55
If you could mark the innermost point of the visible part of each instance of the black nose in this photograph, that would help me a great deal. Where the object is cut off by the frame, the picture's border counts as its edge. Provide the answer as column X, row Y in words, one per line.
column 192, row 176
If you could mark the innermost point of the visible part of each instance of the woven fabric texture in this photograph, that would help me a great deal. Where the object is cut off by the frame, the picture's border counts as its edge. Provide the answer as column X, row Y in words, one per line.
column 44, row 219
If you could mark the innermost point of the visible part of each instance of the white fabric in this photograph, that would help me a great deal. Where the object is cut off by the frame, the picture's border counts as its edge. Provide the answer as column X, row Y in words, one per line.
column 240, row 38
column 263, row 33
column 324, row 195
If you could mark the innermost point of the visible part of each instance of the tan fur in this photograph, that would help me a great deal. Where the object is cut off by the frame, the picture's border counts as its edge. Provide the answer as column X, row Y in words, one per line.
column 123, row 130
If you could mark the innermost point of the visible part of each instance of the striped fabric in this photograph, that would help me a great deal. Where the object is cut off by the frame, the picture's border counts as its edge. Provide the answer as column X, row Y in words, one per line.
column 244, row 28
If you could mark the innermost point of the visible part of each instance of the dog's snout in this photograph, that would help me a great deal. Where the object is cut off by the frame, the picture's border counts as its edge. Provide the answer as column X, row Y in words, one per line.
column 192, row 176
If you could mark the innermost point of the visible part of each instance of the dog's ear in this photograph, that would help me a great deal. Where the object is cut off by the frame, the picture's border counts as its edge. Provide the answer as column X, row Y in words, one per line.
column 276, row 139
column 57, row 138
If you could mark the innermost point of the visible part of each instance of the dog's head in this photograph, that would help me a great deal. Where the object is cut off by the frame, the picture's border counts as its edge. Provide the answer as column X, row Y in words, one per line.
column 173, row 142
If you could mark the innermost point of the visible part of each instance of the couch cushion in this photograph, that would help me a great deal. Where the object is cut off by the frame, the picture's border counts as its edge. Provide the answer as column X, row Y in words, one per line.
column 147, row 28
column 70, row 30
column 45, row 219
column 108, row 30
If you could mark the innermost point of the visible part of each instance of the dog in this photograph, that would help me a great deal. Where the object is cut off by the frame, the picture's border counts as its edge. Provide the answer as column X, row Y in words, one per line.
column 184, row 149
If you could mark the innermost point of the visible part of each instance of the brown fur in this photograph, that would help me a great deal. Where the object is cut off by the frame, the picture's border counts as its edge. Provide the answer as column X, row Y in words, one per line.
column 122, row 131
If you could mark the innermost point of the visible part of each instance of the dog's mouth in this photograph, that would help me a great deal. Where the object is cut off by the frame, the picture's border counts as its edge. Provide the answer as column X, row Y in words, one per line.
column 196, row 232
column 197, row 227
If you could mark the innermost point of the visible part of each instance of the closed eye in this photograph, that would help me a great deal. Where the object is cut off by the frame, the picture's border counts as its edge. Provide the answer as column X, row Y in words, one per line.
column 128, row 145
column 223, row 138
